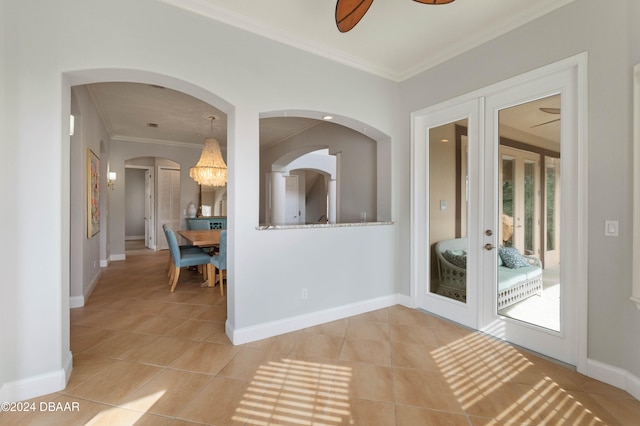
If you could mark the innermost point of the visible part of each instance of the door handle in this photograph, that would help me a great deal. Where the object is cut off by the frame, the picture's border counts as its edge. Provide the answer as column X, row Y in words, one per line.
column 489, row 246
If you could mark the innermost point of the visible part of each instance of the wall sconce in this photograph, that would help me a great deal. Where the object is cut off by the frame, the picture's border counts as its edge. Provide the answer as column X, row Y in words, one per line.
column 111, row 181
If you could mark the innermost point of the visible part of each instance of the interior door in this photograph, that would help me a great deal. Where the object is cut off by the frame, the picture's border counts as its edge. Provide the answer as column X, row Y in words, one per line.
column 528, row 301
column 446, row 197
column 168, row 202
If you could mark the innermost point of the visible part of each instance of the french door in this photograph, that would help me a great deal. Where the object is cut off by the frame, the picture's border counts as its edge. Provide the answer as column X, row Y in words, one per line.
column 496, row 199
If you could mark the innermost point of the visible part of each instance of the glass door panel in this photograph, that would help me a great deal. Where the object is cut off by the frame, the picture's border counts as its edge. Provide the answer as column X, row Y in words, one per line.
column 445, row 156
column 528, row 278
column 448, row 206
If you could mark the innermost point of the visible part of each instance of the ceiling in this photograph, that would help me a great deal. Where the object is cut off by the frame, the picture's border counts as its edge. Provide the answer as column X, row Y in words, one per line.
column 395, row 39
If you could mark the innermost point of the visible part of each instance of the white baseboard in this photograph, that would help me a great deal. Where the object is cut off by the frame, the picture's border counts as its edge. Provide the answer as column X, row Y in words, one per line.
column 79, row 301
column 274, row 328
column 68, row 367
column 405, row 301
column 42, row 384
column 76, row 302
column 114, row 257
column 614, row 376
column 134, row 237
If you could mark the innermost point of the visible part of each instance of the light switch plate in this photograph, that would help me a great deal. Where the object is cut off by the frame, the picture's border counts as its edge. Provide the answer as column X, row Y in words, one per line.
column 611, row 228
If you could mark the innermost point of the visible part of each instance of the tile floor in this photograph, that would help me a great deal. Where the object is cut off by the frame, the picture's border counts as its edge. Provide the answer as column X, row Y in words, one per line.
column 145, row 356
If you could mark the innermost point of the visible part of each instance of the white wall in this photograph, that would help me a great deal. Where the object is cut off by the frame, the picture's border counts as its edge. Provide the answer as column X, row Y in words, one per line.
column 84, row 42
column 85, row 252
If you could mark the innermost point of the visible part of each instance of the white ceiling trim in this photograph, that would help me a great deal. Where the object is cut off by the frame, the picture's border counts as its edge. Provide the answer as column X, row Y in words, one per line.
column 207, row 9
column 289, row 135
column 102, row 111
column 121, row 138
column 536, row 11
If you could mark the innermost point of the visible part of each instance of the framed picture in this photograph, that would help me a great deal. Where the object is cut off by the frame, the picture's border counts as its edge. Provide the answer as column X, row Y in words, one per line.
column 93, row 194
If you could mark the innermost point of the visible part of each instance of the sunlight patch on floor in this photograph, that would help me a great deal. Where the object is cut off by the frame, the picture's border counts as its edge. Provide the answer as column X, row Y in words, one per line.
column 483, row 374
column 115, row 414
column 292, row 392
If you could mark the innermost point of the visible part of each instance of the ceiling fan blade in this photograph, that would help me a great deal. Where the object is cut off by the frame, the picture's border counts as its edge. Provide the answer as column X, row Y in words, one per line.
column 434, row 1
column 546, row 122
column 550, row 110
column 350, row 12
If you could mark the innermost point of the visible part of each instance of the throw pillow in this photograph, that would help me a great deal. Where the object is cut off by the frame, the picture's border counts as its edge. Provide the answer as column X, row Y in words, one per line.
column 512, row 258
column 459, row 260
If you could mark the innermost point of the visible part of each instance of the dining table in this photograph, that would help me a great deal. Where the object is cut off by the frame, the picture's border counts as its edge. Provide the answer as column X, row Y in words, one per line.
column 203, row 238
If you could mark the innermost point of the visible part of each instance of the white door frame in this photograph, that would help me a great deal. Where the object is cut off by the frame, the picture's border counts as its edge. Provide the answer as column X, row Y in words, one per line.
column 574, row 171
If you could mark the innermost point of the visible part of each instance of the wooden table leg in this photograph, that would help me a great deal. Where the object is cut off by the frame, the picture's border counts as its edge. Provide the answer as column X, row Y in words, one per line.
column 211, row 276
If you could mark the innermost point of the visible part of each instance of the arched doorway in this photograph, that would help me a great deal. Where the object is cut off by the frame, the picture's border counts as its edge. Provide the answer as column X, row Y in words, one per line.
column 86, row 254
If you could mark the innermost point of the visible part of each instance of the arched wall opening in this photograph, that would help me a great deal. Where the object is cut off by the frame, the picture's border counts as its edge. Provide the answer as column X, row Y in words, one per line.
column 363, row 166
column 74, row 195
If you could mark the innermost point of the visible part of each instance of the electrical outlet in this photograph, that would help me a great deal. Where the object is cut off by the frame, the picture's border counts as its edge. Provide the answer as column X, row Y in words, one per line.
column 305, row 293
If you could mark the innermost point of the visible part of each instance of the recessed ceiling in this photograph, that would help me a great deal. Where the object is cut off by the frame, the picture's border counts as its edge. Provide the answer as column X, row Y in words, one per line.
column 150, row 113
column 396, row 39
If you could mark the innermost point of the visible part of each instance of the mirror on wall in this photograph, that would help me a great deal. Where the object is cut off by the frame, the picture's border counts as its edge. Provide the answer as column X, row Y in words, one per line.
column 213, row 201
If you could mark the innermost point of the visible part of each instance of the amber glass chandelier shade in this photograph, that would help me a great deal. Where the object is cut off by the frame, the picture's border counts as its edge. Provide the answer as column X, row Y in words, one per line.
column 350, row 12
column 211, row 169
column 434, row 1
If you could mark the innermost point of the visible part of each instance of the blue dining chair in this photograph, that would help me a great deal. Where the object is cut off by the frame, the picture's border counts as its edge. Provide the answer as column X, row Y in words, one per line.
column 219, row 261
column 182, row 258
column 183, row 248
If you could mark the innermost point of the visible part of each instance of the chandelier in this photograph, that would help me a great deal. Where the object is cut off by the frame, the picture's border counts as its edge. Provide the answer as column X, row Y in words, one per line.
column 210, row 169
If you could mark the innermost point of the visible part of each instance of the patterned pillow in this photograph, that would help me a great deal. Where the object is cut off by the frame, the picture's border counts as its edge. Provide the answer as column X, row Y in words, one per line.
column 512, row 258
column 458, row 259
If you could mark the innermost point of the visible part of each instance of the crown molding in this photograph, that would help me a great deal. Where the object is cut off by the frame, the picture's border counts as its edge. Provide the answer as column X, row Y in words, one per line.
column 207, row 9
column 122, row 138
column 102, row 112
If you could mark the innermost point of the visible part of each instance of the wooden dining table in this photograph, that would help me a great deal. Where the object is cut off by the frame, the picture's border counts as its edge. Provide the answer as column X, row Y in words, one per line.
column 203, row 238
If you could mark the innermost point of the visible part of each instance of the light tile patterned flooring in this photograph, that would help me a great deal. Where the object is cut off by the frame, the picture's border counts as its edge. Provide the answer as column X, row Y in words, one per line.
column 145, row 356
